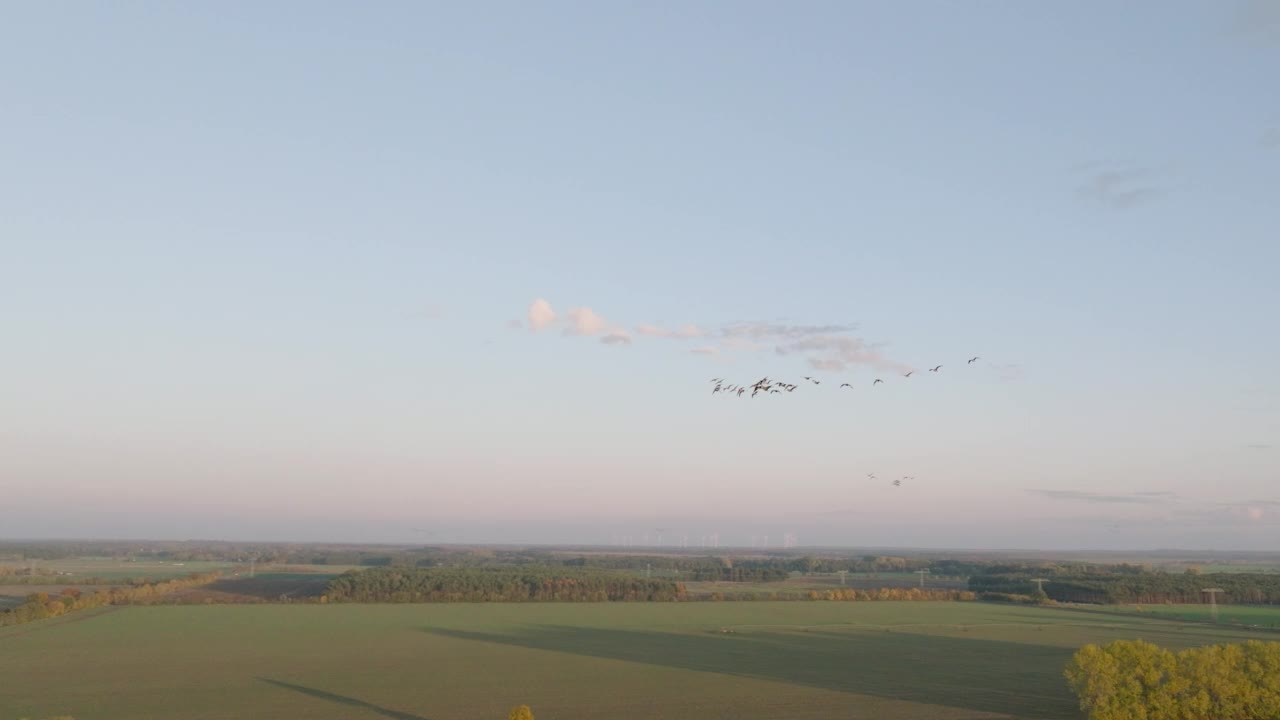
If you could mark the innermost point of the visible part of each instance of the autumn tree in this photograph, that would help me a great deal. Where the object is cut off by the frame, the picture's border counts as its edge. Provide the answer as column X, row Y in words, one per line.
column 1135, row 679
column 520, row 712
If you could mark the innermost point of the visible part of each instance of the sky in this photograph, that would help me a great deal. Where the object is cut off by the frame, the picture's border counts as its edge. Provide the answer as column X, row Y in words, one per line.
column 462, row 272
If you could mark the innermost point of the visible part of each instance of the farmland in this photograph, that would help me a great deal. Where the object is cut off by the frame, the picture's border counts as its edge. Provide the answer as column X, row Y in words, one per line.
column 1262, row 616
column 122, row 570
column 598, row 660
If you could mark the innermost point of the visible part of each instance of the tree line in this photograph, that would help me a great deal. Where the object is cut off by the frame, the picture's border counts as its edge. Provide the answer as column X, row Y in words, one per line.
column 511, row 584
column 40, row 606
column 1145, row 587
column 1135, row 679
column 847, row 595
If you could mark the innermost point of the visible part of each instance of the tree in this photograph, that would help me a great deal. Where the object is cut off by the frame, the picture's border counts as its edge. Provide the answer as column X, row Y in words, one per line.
column 520, row 712
column 1139, row 680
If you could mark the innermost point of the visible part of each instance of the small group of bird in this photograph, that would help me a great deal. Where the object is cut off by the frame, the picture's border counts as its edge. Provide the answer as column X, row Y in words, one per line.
column 773, row 387
column 765, row 385
column 896, row 483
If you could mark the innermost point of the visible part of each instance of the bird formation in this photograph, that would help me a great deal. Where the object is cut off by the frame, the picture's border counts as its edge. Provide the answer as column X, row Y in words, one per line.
column 774, row 386
column 766, row 385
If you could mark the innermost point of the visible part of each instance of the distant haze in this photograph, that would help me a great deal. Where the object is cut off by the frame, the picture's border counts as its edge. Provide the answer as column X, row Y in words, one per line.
column 434, row 272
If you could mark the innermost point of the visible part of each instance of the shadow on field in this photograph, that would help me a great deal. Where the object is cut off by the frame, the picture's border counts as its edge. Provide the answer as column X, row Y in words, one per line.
column 985, row 675
column 274, row 586
column 344, row 700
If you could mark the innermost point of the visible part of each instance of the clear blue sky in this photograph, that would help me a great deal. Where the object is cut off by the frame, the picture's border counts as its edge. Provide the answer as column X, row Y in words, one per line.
column 260, row 268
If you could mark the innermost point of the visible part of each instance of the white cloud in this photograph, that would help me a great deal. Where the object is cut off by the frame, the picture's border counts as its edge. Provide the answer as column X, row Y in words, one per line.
column 706, row 350
column 540, row 315
column 775, row 331
column 584, row 321
column 616, row 337
column 684, row 332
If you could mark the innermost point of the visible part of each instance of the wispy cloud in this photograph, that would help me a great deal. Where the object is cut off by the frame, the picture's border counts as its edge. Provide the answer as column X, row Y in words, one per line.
column 616, row 337
column 760, row 331
column 1139, row 498
column 585, row 321
column 684, row 332
column 1252, row 511
column 830, row 347
column 1119, row 187
column 838, row 352
column 540, row 315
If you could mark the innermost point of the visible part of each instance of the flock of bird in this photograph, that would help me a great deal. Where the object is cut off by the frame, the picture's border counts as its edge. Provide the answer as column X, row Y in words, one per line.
column 774, row 387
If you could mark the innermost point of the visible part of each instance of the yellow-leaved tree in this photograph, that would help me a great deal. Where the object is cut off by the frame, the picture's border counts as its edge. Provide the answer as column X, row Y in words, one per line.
column 1135, row 680
column 520, row 712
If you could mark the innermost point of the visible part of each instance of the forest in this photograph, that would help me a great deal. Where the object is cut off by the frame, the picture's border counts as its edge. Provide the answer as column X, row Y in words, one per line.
column 1142, row 587
column 510, row 584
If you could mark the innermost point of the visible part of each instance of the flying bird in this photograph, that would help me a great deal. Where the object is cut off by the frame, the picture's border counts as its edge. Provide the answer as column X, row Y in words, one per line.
column 740, row 391
column 877, row 380
column 846, row 385
column 715, row 390
column 913, row 372
column 897, row 483
column 935, row 369
column 871, row 476
column 973, row 359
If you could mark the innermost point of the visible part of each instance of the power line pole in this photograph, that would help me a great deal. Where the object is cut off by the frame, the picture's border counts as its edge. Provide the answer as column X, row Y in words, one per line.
column 922, row 573
column 1213, row 601
column 1040, row 584
column 842, row 573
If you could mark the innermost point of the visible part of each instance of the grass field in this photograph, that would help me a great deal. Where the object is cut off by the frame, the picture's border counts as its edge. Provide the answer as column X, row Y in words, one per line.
column 1266, row 616
column 568, row 661
column 122, row 570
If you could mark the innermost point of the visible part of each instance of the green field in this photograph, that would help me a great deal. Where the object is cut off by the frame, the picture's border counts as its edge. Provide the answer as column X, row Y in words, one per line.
column 453, row 662
column 123, row 569
column 1264, row 616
